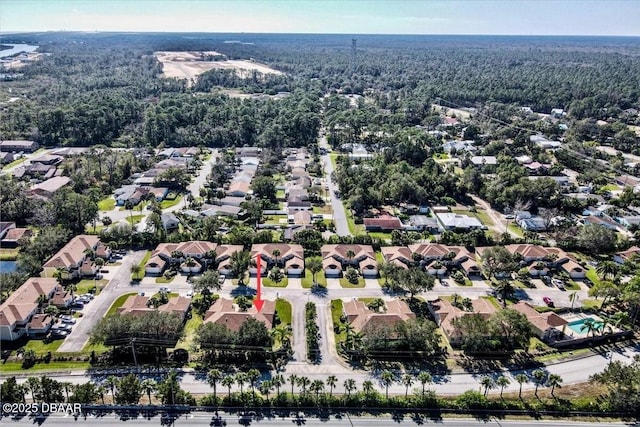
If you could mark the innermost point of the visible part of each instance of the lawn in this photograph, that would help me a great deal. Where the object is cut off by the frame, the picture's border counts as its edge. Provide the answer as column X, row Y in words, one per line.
column 276, row 219
column 571, row 286
column 333, row 157
column 353, row 227
column 515, row 229
column 164, row 280
column 593, row 304
column 325, row 209
column 107, row 204
column 346, row 284
column 118, row 303
column 336, row 314
column 271, row 284
column 283, row 309
column 380, row 235
column 280, row 195
column 40, row 347
column 167, row 203
column 15, row 163
column 134, row 219
column 9, row 254
column 307, row 280
column 593, row 275
column 144, row 261
column 189, row 333
column 83, row 286
column 51, row 366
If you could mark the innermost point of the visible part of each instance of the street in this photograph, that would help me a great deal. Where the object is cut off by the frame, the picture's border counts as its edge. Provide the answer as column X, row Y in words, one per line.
column 339, row 217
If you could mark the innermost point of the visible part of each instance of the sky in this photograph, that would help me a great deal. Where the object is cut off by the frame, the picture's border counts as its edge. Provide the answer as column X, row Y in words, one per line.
column 504, row 17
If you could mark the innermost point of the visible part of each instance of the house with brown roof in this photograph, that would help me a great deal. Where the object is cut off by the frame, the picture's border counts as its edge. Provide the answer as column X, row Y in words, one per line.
column 21, row 306
column 632, row 252
column 290, row 257
column 163, row 255
column 19, row 145
column 14, row 237
column 533, row 256
column 547, row 326
column 444, row 313
column 362, row 318
column 73, row 257
column 61, row 298
column 137, row 305
column 300, row 217
column 238, row 189
column 223, row 257
column 382, row 223
column 433, row 257
column 337, row 258
column 46, row 189
column 225, row 312
column 5, row 226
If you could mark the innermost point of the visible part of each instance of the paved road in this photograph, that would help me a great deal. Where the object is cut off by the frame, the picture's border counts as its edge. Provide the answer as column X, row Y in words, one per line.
column 495, row 216
column 297, row 320
column 339, row 217
column 96, row 309
column 201, row 418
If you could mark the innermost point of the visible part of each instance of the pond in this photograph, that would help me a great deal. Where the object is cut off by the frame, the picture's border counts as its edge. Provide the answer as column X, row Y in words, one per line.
column 7, row 266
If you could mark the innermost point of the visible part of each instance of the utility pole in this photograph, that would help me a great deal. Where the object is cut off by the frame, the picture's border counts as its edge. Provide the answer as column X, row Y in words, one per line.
column 133, row 351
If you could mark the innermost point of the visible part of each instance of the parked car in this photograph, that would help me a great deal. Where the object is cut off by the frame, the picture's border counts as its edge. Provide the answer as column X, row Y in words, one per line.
column 164, row 289
column 90, row 296
column 190, row 293
column 141, row 294
column 548, row 301
column 68, row 319
column 56, row 334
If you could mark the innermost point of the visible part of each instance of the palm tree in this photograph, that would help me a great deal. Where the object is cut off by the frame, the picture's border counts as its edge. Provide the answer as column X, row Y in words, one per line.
column 502, row 382
column 253, row 375
column 111, row 382
column 66, row 386
column 332, row 380
column 33, row 384
column 239, row 264
column 136, row 269
column 367, row 387
column 590, row 326
column 387, row 379
column 293, row 379
column 60, row 275
column 213, row 376
column 276, row 254
column 505, row 289
column 228, row 381
column 350, row 254
column 487, row 383
column 149, row 385
column 277, row 381
column 101, row 390
column 303, row 383
column 521, row 379
column 407, row 380
column 314, row 264
column 241, row 378
column 554, row 381
column 424, row 377
column 607, row 269
column 349, row 386
column 265, row 388
column 539, row 378
column 317, row 386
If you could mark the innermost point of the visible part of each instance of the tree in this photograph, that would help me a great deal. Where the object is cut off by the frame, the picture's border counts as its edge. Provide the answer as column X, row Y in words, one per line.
column 606, row 290
column 66, row 386
column 349, row 386
column 352, row 275
column 414, row 280
column 276, row 254
column 228, row 381
column 425, row 378
column 213, row 376
column 276, row 275
column 607, row 269
column 505, row 289
column 86, row 393
column 253, row 375
column 622, row 381
column 407, row 380
column 129, row 390
column 207, row 282
column 487, row 383
column 303, row 382
column 265, row 388
column 332, row 380
column 111, row 382
column 264, row 187
column 293, row 379
column 498, row 261
column 317, row 387
column 314, row 265
column 521, row 379
column 594, row 238
column 539, row 377
column 387, row 379
column 149, row 385
column 239, row 263
column 502, row 382
column 554, row 381
column 11, row 391
column 136, row 270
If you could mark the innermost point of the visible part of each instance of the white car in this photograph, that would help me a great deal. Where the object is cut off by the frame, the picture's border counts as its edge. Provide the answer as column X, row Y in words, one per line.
column 190, row 294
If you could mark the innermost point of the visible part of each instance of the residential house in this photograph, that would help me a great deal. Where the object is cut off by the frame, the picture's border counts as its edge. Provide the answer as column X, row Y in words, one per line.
column 20, row 307
column 73, row 259
column 296, row 203
column 433, row 257
column 546, row 326
column 336, row 258
column 543, row 142
column 6, row 157
column 629, row 221
column 231, row 201
column 138, row 305
column 292, row 230
column 362, row 318
column 40, row 325
column 382, row 223
column 290, row 257
column 15, row 146
column 224, row 210
column 444, row 313
column 484, row 160
column 300, row 217
column 454, row 221
column 422, row 223
column 223, row 257
column 225, row 312
column 197, row 251
column 238, row 189
column 48, row 188
column 61, row 298
column 553, row 257
column 627, row 181
column 630, row 254
column 47, row 159
column 169, row 221
column 453, row 147
column 13, row 237
column 5, row 226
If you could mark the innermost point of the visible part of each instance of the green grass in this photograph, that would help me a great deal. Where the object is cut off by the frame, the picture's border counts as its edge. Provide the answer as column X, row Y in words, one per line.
column 83, row 286
column 346, row 284
column 189, row 333
column 610, row 187
column 118, row 303
column 515, row 229
column 144, row 261
column 570, row 285
column 167, row 203
column 380, row 235
column 107, row 204
column 51, row 366
column 593, row 304
column 90, row 229
column 15, row 163
column 336, row 314
column 40, row 347
column 593, row 275
column 333, row 157
column 325, row 209
column 441, row 156
column 307, row 280
column 134, row 219
column 276, row 219
column 353, row 227
column 164, row 280
column 271, row 284
column 283, row 308
column 280, row 194
column 97, row 347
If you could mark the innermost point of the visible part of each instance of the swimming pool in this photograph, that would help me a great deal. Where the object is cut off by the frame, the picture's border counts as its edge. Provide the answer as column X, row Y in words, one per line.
column 576, row 325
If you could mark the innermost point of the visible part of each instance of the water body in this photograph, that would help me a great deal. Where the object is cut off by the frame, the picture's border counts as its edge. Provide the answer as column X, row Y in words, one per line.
column 16, row 49
column 7, row 266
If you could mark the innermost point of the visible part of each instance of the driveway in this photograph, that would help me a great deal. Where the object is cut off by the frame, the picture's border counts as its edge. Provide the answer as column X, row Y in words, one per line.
column 496, row 217
column 97, row 308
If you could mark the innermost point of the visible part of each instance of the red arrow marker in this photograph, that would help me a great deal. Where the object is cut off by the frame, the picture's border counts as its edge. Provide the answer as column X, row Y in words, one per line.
column 258, row 302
